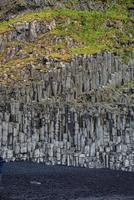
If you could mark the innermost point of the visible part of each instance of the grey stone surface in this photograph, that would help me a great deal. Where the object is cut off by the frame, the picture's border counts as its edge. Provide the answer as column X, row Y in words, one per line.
column 48, row 121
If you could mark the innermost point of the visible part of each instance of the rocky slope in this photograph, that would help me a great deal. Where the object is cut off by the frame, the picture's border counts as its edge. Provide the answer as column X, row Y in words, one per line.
column 10, row 8
column 67, row 83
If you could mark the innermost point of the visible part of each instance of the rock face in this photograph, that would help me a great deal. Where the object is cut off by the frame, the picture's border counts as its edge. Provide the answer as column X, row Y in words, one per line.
column 48, row 120
column 22, row 5
column 27, row 31
column 74, row 111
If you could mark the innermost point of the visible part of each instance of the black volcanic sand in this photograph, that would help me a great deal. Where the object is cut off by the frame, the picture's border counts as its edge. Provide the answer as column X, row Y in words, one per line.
column 31, row 181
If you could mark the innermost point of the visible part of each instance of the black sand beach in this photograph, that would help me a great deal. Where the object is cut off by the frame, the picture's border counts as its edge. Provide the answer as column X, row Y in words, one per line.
column 31, row 181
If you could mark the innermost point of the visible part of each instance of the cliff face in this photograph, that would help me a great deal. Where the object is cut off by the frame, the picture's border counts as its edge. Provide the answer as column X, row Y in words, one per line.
column 70, row 116
column 61, row 108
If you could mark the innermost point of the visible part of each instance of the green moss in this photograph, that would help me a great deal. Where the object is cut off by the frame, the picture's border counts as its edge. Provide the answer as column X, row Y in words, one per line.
column 89, row 31
column 7, row 25
column 63, row 57
column 20, row 63
column 91, row 49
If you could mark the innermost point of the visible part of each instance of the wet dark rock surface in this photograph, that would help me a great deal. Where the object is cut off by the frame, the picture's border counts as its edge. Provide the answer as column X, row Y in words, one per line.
column 30, row 181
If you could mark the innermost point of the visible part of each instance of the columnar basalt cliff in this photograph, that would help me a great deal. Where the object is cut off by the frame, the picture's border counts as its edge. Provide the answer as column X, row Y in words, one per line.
column 74, row 110
column 48, row 121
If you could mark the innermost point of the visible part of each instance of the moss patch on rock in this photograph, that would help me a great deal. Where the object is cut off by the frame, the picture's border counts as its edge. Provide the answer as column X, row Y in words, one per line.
column 77, row 32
